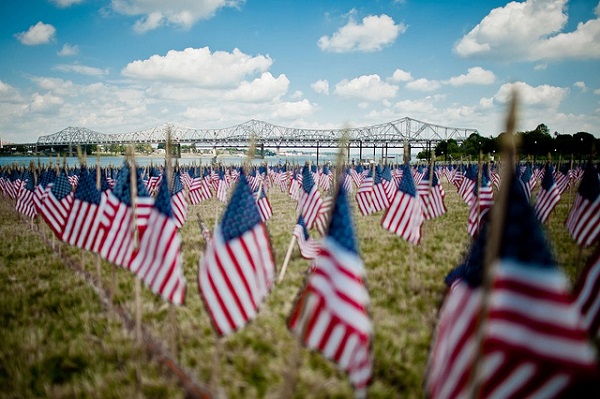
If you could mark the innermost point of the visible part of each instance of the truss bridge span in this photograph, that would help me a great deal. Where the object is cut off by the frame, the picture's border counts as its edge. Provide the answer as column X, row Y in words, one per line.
column 393, row 134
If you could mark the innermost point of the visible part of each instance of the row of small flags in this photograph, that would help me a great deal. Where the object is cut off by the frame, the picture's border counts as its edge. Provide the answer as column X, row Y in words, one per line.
column 235, row 275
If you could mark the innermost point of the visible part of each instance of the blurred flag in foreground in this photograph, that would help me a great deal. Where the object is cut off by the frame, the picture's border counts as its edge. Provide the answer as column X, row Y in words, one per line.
column 309, row 248
column 331, row 312
column 236, row 272
column 533, row 343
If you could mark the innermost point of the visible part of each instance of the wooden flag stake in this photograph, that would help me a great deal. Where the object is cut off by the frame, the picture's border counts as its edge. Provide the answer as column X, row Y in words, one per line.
column 134, row 235
column 492, row 250
column 98, row 187
column 287, row 258
column 171, row 315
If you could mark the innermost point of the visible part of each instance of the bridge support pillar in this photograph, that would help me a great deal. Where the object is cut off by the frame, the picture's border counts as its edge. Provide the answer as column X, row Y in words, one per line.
column 406, row 152
column 360, row 151
column 317, row 153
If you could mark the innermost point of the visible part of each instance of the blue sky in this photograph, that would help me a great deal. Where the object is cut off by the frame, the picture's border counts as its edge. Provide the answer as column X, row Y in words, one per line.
column 127, row 65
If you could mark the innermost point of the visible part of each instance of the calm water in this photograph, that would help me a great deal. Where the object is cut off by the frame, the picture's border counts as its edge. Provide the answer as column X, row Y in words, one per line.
column 157, row 160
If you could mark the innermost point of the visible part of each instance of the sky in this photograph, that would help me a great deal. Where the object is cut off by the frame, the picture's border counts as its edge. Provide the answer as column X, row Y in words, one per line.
column 118, row 66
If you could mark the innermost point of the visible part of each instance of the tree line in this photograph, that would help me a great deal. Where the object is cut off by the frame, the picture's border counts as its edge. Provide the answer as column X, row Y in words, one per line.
column 536, row 144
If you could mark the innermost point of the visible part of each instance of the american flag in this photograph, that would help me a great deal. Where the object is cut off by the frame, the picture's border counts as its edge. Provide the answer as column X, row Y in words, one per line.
column 237, row 270
column 380, row 189
column 154, row 178
column 157, row 261
column 84, row 219
column 583, row 221
column 548, row 196
column 528, row 181
column 45, row 182
column 587, row 295
column 364, row 195
column 562, row 179
column 322, row 221
column 114, row 241
column 432, row 199
column 310, row 199
column 467, row 184
column 199, row 189
column 404, row 217
column 481, row 201
column 57, row 204
column 533, row 342
column 309, row 248
column 25, row 203
column 295, row 186
column 263, row 204
column 347, row 182
column 179, row 205
column 222, row 187
column 331, row 311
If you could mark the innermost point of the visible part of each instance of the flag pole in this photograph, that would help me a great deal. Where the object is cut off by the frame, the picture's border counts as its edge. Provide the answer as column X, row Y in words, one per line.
column 492, row 248
column 288, row 255
column 134, row 235
column 172, row 317
column 98, row 187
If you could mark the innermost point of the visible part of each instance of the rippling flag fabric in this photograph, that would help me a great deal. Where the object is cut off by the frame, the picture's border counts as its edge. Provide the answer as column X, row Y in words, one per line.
column 199, row 190
column 237, row 270
column 308, row 247
column 364, row 195
column 534, row 344
column 114, row 241
column 25, row 203
column 404, row 217
column 379, row 193
column 583, row 222
column 481, row 201
column 331, row 311
column 157, row 260
column 179, row 204
column 586, row 294
column 548, row 196
column 263, row 204
column 57, row 204
column 310, row 198
column 84, row 219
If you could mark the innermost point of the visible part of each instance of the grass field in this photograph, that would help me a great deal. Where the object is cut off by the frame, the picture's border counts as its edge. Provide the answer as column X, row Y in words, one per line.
column 58, row 340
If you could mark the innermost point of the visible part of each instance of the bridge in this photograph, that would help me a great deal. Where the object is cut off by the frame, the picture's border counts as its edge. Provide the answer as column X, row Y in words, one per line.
column 401, row 133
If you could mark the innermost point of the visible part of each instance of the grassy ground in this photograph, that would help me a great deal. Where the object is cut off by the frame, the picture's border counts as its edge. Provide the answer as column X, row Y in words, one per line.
column 57, row 340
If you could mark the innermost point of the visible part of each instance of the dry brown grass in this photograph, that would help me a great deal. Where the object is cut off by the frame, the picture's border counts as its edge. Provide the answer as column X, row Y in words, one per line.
column 405, row 290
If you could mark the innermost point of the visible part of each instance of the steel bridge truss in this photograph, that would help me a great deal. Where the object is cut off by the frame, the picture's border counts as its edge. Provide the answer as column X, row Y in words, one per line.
column 391, row 134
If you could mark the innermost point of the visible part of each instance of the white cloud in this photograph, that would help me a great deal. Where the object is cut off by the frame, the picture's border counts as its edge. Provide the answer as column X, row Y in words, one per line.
column 82, row 69
column 373, row 34
column 44, row 103
column 366, row 87
column 541, row 96
column 581, row 85
column 597, row 92
column 540, row 67
column 320, row 86
column 297, row 95
column 66, row 3
column 531, row 30
column 266, row 88
column 68, row 50
column 400, row 76
column 423, row 84
column 292, row 110
column 149, row 22
column 474, row 76
column 182, row 13
column 199, row 67
column 39, row 33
